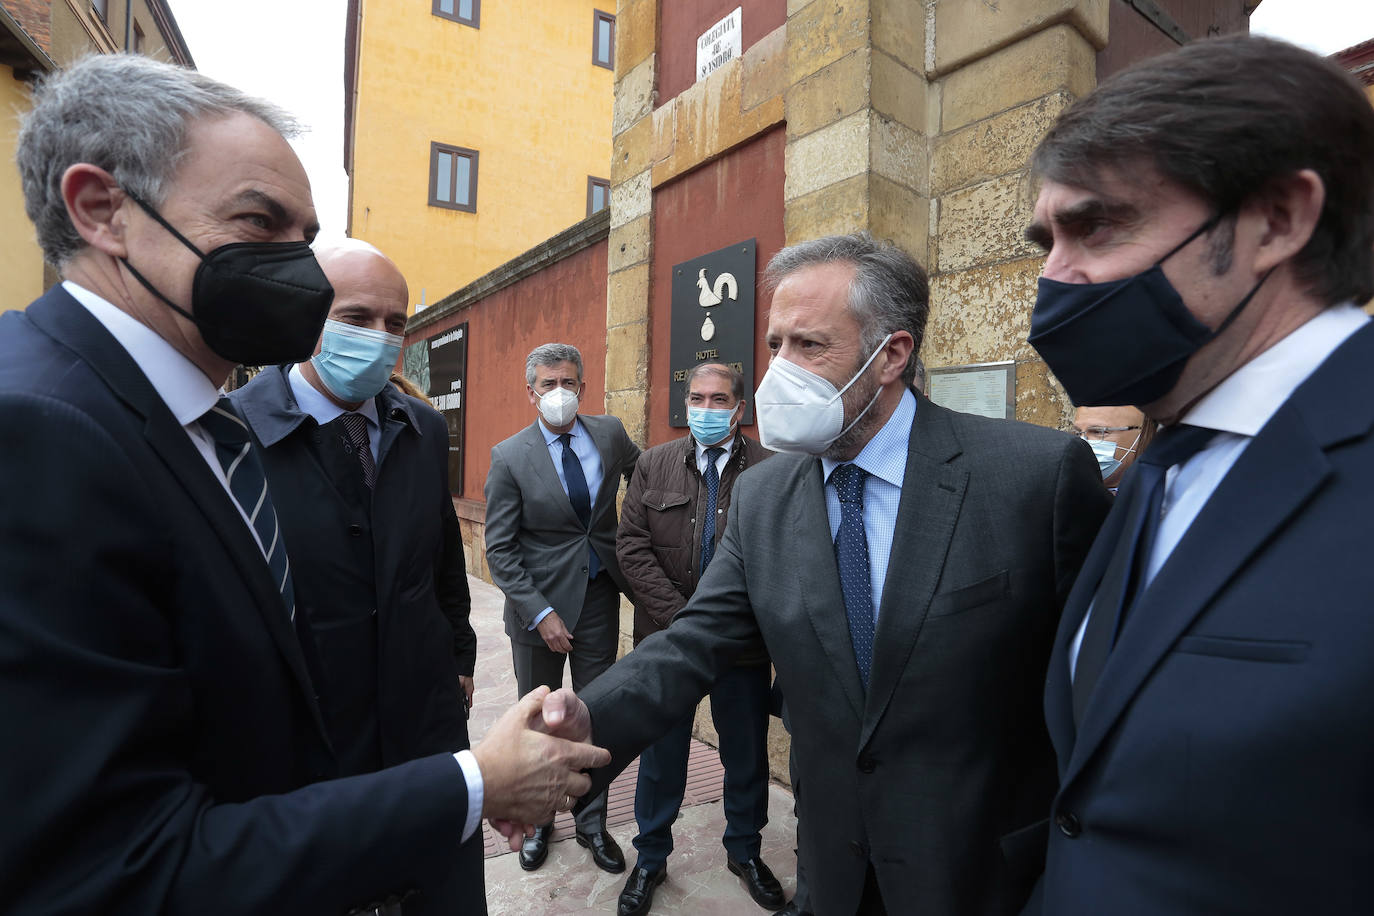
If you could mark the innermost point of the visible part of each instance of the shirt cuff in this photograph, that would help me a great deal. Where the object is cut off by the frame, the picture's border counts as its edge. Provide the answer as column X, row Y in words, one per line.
column 542, row 614
column 473, row 774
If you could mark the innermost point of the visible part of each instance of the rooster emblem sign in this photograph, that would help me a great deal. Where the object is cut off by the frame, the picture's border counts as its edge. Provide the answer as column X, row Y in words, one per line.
column 725, row 288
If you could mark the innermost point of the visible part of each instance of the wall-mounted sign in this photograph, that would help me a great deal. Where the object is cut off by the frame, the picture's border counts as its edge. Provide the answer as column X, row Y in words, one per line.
column 712, row 320
column 985, row 389
column 719, row 45
column 448, row 371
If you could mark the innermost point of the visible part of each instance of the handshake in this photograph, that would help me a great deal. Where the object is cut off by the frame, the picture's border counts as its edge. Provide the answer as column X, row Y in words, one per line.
column 532, row 761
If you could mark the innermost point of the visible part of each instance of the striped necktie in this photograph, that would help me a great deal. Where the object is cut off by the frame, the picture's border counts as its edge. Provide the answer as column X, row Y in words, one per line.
column 248, row 484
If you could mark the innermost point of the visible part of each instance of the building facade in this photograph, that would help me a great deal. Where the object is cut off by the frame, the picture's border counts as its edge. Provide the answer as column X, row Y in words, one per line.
column 474, row 131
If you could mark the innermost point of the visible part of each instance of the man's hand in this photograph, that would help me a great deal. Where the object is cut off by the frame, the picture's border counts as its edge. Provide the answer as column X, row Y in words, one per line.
column 554, row 633
column 528, row 773
column 566, row 716
column 468, row 687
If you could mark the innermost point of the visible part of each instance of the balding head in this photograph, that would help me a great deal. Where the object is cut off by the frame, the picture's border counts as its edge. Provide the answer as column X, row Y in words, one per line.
column 369, row 290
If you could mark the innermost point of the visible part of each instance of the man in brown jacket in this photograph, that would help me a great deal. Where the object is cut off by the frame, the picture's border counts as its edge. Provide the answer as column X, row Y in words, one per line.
column 673, row 515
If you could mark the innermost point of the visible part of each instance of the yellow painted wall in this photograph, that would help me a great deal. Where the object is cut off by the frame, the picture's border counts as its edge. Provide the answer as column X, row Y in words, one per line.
column 521, row 90
column 21, row 261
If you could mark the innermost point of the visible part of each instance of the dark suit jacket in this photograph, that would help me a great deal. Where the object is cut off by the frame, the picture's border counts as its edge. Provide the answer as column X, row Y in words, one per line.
column 946, row 751
column 167, row 753
column 1224, row 760
column 536, row 546
column 370, row 568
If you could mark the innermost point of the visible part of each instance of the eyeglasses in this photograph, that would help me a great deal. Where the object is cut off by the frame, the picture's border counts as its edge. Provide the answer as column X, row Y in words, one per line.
column 1100, row 432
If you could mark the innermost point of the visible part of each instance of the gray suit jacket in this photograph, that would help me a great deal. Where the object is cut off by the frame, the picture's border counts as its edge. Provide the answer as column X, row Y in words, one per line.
column 947, row 750
column 536, row 546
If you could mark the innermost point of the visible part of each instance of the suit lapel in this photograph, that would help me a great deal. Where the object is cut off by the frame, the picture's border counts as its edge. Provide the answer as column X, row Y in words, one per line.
column 819, row 579
column 64, row 319
column 539, row 460
column 933, row 490
column 606, row 492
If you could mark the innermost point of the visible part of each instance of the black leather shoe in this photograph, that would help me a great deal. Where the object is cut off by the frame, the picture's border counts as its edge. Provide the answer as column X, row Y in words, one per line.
column 763, row 887
column 535, row 849
column 638, row 894
column 605, row 851
column 793, row 910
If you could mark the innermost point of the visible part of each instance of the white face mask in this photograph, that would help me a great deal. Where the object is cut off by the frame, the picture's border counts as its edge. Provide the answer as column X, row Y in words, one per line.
column 558, row 407
column 799, row 411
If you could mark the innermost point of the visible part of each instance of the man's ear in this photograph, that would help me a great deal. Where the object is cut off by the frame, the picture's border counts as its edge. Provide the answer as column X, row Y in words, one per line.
column 1288, row 209
column 95, row 206
column 899, row 353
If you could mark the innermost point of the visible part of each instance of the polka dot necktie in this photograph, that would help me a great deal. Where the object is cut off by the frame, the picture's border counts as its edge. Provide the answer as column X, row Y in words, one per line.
column 851, row 555
column 708, row 522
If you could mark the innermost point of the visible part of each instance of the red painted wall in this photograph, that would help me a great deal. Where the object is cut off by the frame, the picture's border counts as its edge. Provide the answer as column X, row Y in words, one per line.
column 563, row 303
column 736, row 197
column 681, row 22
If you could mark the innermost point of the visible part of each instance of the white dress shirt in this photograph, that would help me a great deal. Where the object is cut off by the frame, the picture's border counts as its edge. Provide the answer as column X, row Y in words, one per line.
column 1237, row 408
column 188, row 394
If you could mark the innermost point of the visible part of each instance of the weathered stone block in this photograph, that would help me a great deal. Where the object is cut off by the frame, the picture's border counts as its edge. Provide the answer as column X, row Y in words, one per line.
column 899, row 154
column 993, row 146
column 827, row 156
column 765, row 69
column 633, row 151
column 628, row 245
column 839, row 208
column 985, row 223
column 627, row 296
column 967, row 31
column 829, row 95
column 795, row 6
column 634, row 96
column 1040, row 399
column 636, row 34
column 899, row 29
column 1057, row 59
column 822, row 32
column 631, row 199
column 629, row 406
column 627, row 352
column 981, row 315
column 665, row 131
column 898, row 213
column 898, row 92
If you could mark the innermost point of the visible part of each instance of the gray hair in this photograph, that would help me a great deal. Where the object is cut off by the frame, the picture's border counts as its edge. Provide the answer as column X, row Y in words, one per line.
column 730, row 373
column 126, row 114
column 551, row 354
column 889, row 291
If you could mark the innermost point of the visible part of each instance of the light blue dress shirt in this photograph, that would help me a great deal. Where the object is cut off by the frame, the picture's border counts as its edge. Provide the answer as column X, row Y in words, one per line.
column 312, row 401
column 884, row 458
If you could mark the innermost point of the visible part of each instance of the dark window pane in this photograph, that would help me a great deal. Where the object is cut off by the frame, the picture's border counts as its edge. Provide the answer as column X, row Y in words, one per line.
column 443, row 174
column 462, row 182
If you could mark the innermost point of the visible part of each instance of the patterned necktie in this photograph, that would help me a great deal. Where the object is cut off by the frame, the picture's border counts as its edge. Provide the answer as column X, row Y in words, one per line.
column 851, row 555
column 708, row 522
column 248, row 484
column 580, row 497
column 355, row 424
column 1124, row 577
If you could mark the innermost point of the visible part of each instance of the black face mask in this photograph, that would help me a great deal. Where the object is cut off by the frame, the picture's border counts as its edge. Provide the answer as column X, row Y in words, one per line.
column 1121, row 342
column 256, row 303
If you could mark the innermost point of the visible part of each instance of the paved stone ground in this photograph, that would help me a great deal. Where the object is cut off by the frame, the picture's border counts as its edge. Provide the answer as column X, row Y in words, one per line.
column 568, row 883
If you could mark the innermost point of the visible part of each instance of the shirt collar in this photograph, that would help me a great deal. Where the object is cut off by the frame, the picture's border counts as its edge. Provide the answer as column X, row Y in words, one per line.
column 700, row 450
column 183, row 387
column 314, row 402
column 884, row 456
column 1248, row 397
column 551, row 437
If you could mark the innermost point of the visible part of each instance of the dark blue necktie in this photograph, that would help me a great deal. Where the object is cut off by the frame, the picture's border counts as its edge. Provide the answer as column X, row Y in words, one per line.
column 851, row 555
column 708, row 522
column 579, row 496
column 248, row 484
column 1124, row 577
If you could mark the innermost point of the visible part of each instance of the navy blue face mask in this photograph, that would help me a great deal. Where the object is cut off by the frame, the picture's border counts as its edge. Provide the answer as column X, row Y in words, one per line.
column 1121, row 342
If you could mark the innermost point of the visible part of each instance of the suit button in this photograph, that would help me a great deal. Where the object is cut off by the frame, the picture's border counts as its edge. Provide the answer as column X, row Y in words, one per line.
column 1068, row 824
column 858, row 849
column 867, row 764
column 355, row 530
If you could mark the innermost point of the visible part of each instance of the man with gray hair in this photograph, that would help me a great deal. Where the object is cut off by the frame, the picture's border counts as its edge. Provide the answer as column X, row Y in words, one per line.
column 169, row 752
column 905, row 568
column 550, row 535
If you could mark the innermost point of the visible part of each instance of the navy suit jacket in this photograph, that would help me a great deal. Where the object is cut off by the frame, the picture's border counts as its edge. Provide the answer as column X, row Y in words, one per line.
column 166, row 748
column 1224, row 760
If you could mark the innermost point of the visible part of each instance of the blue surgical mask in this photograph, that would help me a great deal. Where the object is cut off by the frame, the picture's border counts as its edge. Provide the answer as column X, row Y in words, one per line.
column 355, row 363
column 1105, row 452
column 710, row 425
